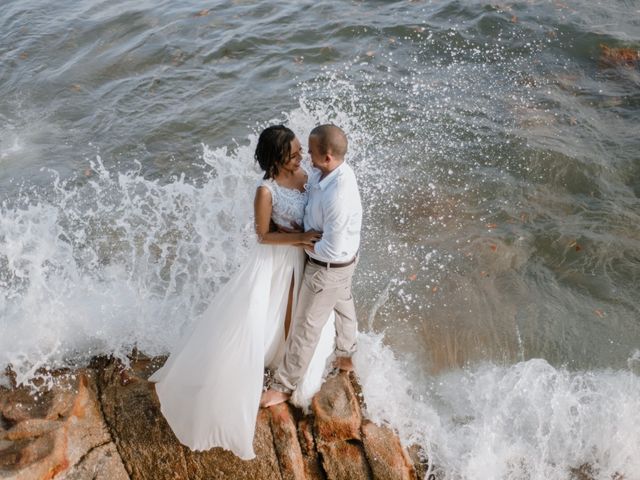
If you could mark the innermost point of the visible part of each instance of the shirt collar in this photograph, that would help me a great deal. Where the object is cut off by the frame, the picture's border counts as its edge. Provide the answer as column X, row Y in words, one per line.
column 326, row 181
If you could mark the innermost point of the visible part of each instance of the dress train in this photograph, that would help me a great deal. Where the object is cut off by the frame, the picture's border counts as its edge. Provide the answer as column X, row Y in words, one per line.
column 210, row 386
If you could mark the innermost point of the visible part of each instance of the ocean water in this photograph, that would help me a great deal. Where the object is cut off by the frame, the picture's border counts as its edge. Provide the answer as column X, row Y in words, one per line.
column 497, row 148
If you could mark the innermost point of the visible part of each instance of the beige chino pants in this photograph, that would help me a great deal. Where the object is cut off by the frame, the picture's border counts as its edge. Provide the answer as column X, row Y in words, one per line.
column 323, row 289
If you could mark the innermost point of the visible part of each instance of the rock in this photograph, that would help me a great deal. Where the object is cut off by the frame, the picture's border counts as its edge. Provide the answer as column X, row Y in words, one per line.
column 150, row 450
column 101, row 463
column 312, row 465
column 138, row 425
column 105, row 423
column 18, row 455
column 52, row 434
column 387, row 458
column 225, row 465
column 420, row 461
column 344, row 460
column 285, row 439
column 19, row 405
column 624, row 57
column 33, row 427
column 337, row 428
column 337, row 410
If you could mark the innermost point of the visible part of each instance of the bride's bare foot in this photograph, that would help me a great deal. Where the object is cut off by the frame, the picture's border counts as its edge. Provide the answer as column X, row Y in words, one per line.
column 273, row 397
column 344, row 363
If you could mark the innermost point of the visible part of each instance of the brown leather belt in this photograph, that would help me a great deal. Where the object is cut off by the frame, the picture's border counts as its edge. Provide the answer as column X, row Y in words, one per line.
column 332, row 264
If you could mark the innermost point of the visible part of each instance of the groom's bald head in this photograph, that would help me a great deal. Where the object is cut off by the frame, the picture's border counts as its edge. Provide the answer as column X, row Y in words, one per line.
column 331, row 140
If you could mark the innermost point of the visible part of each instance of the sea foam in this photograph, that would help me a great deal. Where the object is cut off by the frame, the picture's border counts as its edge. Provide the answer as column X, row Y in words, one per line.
column 112, row 261
column 529, row 420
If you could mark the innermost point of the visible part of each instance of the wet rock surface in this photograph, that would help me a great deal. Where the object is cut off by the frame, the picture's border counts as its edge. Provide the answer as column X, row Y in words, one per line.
column 104, row 422
column 59, row 433
column 385, row 454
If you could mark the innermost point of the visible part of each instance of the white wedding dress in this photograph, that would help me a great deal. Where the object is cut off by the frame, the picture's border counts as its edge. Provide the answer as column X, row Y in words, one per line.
column 210, row 386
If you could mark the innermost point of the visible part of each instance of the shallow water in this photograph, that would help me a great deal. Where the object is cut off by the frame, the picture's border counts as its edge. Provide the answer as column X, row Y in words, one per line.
column 497, row 152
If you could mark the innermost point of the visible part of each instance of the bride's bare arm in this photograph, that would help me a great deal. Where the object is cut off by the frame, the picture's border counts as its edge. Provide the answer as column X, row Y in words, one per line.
column 262, row 206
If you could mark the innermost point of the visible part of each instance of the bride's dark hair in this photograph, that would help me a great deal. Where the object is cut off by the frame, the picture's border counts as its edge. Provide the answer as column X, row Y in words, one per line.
column 273, row 149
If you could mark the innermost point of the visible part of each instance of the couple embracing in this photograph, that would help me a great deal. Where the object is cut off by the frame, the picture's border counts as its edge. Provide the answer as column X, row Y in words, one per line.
column 289, row 307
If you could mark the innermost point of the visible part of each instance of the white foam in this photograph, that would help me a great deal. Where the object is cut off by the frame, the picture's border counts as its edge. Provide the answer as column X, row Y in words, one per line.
column 122, row 261
column 525, row 421
column 11, row 147
column 117, row 263
column 633, row 362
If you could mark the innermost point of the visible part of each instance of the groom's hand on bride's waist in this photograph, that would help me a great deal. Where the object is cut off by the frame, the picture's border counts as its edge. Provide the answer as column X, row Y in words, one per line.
column 310, row 238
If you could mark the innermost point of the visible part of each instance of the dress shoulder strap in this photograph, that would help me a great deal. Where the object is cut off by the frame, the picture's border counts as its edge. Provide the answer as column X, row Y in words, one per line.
column 269, row 184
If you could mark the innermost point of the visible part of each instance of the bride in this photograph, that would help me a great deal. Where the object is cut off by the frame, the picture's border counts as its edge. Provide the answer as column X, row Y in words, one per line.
column 210, row 386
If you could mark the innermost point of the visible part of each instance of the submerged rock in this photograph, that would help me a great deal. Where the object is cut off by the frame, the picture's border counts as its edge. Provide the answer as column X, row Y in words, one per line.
column 104, row 422
column 619, row 56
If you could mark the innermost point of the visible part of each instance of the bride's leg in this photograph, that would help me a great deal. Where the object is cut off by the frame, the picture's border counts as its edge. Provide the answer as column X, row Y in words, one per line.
column 287, row 316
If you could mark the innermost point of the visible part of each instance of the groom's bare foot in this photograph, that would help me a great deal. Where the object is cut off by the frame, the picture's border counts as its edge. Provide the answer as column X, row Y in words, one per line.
column 273, row 397
column 344, row 363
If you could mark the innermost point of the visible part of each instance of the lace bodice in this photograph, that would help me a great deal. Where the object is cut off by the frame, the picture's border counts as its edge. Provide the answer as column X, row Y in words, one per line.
column 288, row 203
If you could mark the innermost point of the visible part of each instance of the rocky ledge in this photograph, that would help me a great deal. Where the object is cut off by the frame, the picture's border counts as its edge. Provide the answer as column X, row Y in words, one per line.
column 104, row 422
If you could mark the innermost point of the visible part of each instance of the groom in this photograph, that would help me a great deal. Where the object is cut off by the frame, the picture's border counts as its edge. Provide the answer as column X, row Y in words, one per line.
column 333, row 208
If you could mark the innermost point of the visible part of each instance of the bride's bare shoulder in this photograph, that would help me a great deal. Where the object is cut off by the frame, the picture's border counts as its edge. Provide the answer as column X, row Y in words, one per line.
column 263, row 193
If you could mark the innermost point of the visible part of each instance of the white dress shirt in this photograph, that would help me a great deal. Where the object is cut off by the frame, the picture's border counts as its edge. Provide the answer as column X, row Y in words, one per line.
column 334, row 208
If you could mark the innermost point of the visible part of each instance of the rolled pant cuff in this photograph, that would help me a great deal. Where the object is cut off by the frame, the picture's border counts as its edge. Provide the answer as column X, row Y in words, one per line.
column 344, row 353
column 280, row 388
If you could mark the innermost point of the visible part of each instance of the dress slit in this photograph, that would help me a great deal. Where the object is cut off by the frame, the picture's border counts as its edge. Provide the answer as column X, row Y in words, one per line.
column 289, row 310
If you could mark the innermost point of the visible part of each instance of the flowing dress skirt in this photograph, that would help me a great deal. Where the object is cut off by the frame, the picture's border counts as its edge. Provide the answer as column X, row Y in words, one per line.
column 210, row 386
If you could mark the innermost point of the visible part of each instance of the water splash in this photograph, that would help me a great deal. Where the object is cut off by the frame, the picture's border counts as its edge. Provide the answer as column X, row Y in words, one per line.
column 112, row 261
column 525, row 421
column 109, row 260
column 482, row 172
